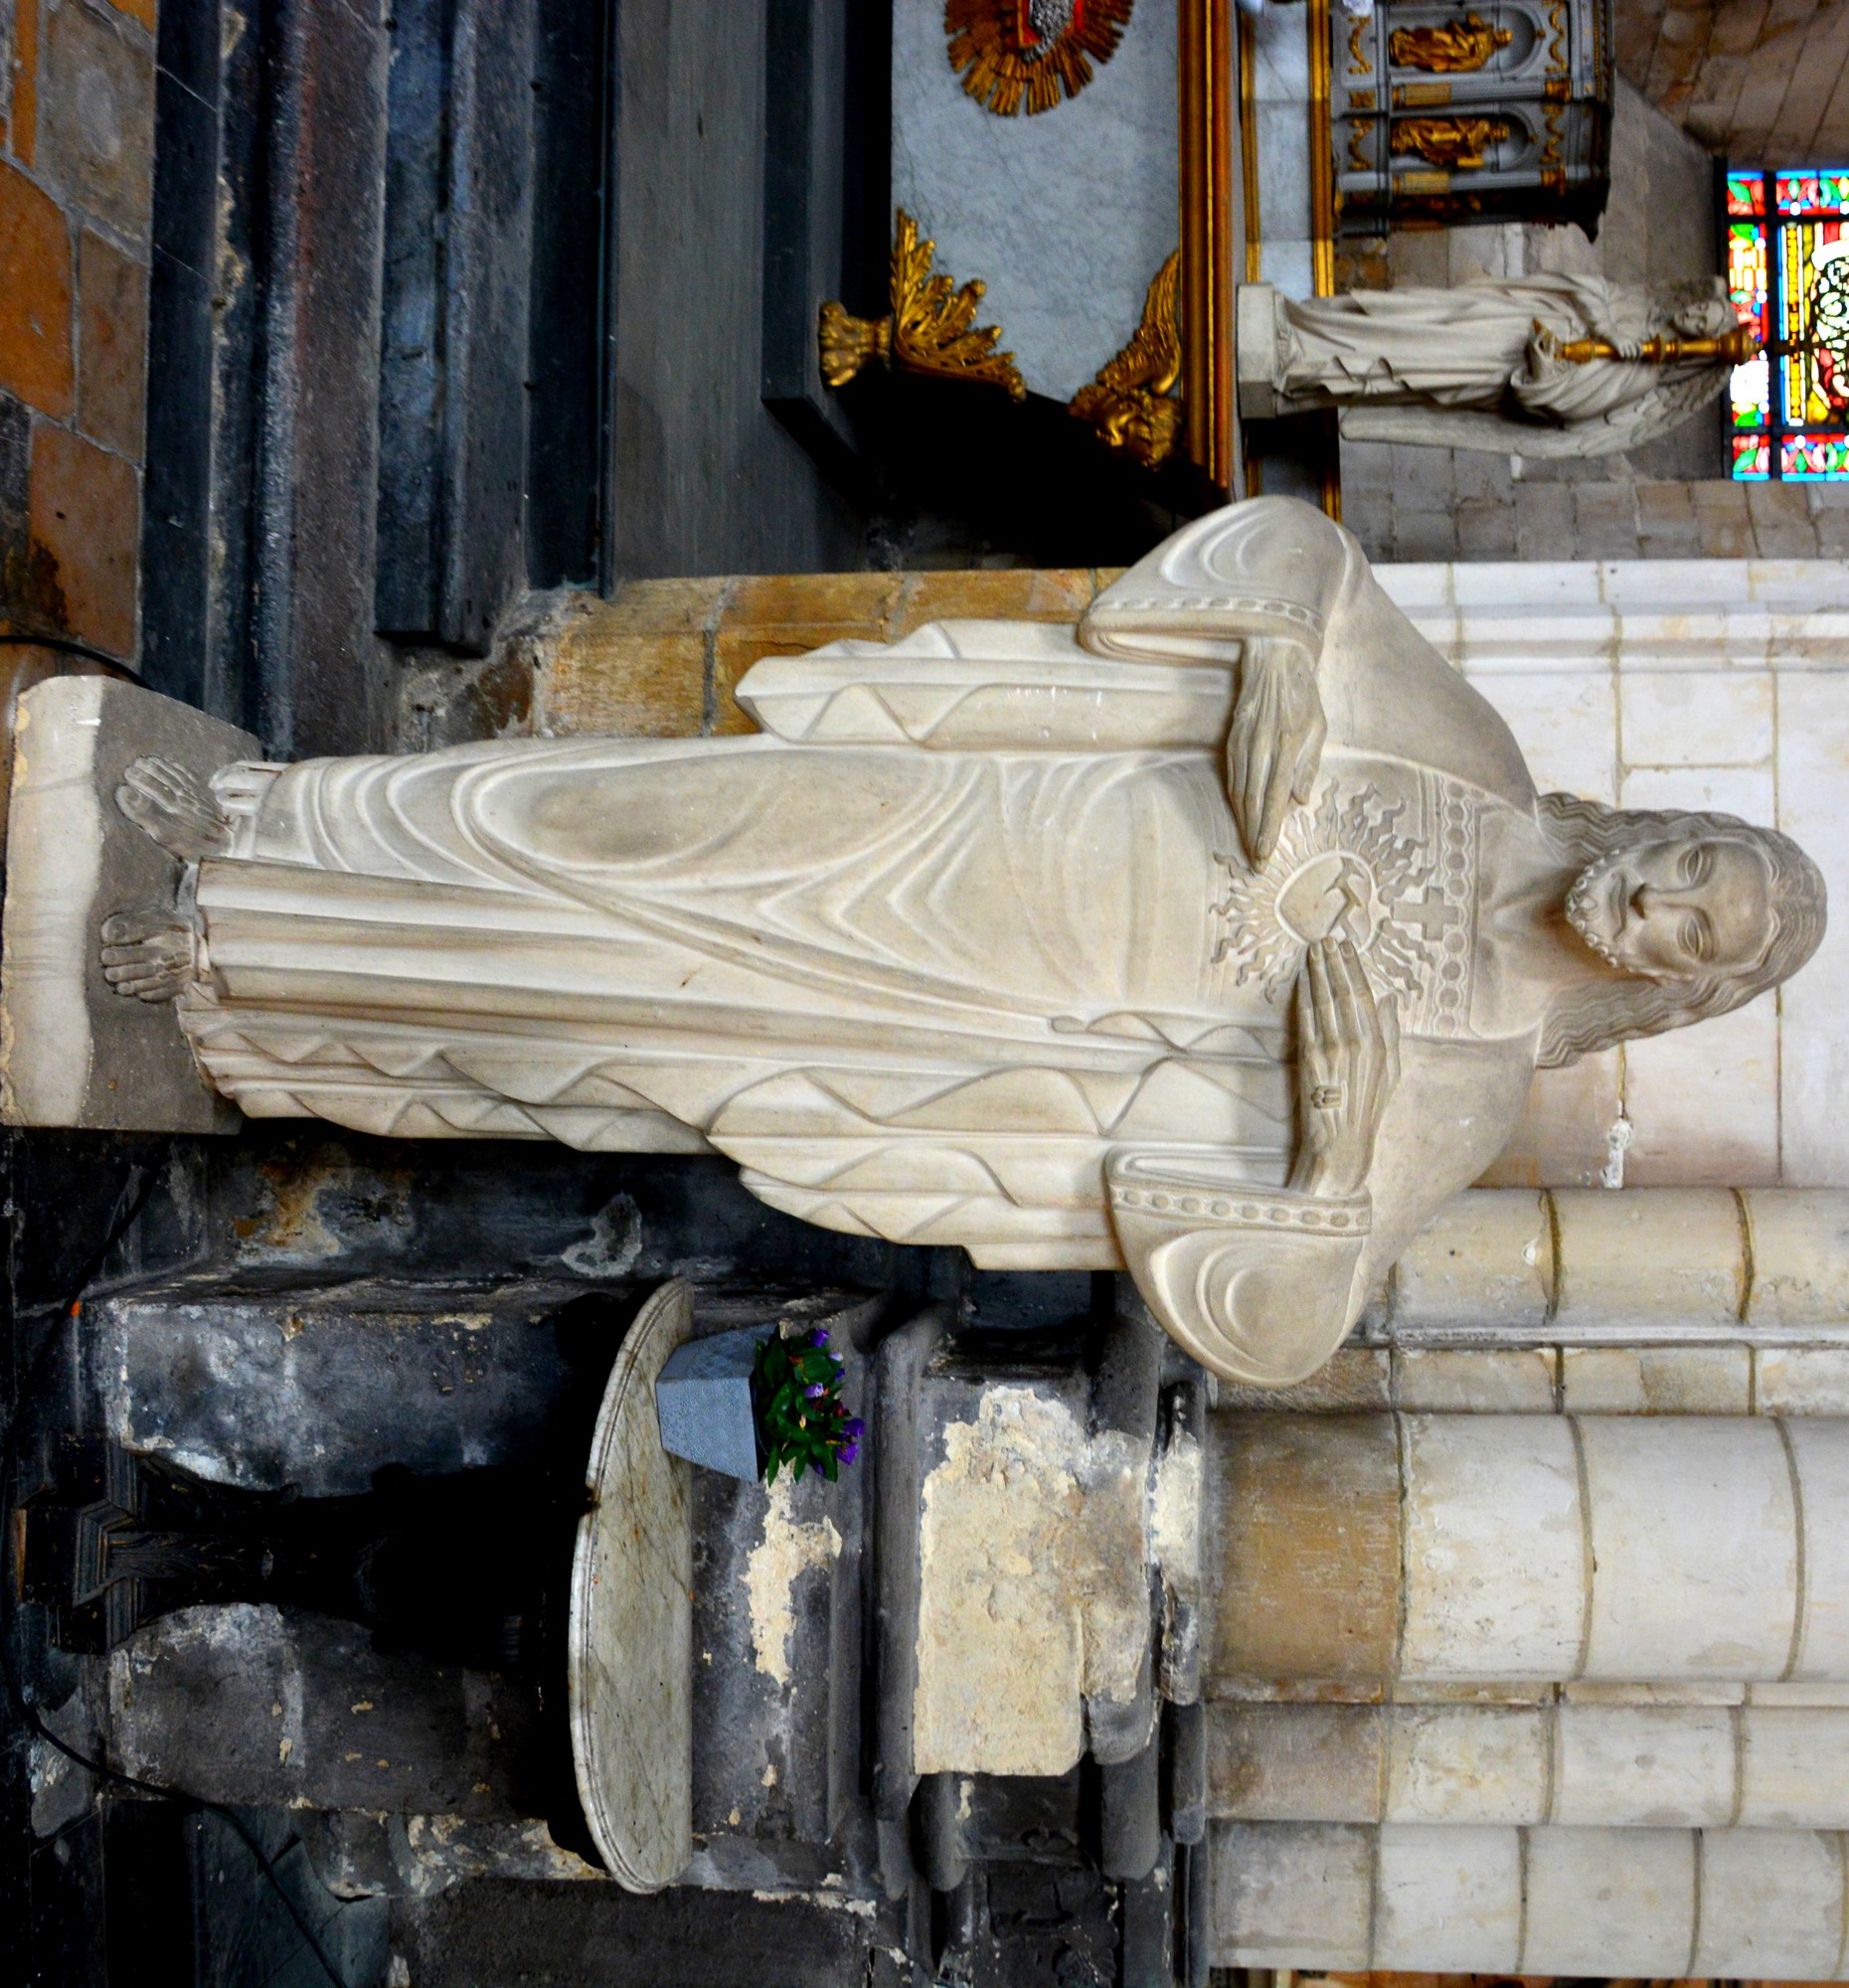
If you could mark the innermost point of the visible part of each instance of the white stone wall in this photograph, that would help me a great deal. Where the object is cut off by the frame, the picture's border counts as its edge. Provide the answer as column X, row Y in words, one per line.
column 1680, row 683
column 1755, row 1903
column 1560, row 1760
column 1280, row 89
column 1528, row 1550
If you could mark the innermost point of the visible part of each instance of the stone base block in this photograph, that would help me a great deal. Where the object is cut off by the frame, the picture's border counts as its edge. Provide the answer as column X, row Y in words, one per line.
column 74, row 1052
column 1255, row 351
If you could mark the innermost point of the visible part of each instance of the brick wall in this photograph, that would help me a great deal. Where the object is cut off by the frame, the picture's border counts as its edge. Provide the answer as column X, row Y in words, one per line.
column 77, row 141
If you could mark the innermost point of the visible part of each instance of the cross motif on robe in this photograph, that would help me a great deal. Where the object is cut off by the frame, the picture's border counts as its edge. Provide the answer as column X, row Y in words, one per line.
column 1430, row 915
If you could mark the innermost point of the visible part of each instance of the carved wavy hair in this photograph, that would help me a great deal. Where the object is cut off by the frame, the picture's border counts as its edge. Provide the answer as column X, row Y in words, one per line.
column 1602, row 1012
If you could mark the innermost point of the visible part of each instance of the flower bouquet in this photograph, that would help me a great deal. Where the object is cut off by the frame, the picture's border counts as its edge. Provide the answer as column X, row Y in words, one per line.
column 751, row 1404
column 802, row 1423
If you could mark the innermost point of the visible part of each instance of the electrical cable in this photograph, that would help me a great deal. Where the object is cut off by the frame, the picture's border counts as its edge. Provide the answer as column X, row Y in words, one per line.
column 63, row 645
column 23, row 1709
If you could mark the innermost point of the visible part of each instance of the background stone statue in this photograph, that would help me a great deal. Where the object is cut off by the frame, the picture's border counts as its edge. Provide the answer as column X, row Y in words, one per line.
column 1491, row 365
column 1217, row 938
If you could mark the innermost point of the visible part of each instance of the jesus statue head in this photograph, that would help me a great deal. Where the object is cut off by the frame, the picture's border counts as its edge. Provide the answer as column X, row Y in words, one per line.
column 1694, row 915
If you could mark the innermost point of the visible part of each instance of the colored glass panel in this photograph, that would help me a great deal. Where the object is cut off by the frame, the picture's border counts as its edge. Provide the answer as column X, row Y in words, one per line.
column 1813, row 458
column 1813, row 193
column 1746, row 192
column 1746, row 274
column 1815, row 385
column 1788, row 276
column 1750, row 394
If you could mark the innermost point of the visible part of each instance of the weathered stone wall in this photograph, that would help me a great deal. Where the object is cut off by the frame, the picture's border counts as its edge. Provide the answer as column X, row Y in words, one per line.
column 1663, row 1904
column 1459, row 504
column 77, row 136
column 663, row 657
column 1763, row 84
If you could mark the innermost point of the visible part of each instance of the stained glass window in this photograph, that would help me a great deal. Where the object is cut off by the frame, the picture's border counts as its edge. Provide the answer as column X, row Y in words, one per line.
column 1788, row 271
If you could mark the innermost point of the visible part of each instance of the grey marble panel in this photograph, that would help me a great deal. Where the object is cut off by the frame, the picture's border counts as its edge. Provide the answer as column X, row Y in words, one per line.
column 1284, row 172
column 1281, row 42
column 1287, row 267
column 1065, row 216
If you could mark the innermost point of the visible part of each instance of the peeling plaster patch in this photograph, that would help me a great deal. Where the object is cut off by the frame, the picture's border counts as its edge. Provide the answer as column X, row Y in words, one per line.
column 614, row 1245
column 829, row 1901
column 433, row 1853
column 1175, row 1519
column 243, row 1634
column 1034, row 1545
column 319, row 1203
column 786, row 1552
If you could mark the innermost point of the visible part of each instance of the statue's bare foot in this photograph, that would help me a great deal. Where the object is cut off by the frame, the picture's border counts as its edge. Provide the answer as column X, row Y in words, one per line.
column 149, row 954
column 176, row 808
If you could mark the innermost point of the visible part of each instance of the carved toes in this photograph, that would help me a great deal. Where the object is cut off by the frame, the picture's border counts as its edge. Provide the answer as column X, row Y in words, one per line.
column 175, row 808
column 148, row 956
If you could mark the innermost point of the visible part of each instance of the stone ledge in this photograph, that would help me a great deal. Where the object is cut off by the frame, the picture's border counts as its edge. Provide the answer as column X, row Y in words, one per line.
column 661, row 658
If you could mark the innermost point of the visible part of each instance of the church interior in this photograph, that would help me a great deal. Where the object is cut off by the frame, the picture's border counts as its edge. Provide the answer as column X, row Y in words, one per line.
column 1056, row 778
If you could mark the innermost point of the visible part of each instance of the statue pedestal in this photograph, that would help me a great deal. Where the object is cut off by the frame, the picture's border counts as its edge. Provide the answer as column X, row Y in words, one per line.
column 72, row 1050
column 1254, row 352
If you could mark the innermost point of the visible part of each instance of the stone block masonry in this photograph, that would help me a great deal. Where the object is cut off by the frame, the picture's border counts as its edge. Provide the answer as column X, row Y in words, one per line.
column 660, row 660
column 1423, row 504
column 77, row 143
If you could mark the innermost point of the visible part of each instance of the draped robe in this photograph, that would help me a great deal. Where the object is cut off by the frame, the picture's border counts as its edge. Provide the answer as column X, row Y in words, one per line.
column 963, row 949
column 1459, row 368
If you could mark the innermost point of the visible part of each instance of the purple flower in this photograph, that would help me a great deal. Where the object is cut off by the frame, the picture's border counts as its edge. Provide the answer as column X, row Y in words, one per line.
column 815, row 1391
column 820, row 1337
column 848, row 1451
column 852, row 1428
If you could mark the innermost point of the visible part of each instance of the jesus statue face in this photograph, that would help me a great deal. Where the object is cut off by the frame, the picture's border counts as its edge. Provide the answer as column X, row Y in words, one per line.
column 1676, row 908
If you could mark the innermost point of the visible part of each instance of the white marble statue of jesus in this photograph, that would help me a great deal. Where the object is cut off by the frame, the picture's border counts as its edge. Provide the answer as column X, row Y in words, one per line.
column 1217, row 938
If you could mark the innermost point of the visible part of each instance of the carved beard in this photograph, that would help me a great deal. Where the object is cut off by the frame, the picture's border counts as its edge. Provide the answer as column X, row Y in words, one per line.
column 1586, row 899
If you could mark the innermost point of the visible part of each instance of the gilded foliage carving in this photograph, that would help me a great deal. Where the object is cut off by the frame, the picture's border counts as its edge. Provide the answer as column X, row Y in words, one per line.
column 1133, row 402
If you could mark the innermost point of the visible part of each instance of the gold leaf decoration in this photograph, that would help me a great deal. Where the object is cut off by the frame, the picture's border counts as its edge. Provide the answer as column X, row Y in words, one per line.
column 850, row 343
column 1015, row 54
column 1131, row 402
column 1448, row 47
column 932, row 329
column 1459, row 144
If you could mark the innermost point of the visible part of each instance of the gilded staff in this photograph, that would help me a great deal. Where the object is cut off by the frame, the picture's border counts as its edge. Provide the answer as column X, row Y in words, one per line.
column 1736, row 347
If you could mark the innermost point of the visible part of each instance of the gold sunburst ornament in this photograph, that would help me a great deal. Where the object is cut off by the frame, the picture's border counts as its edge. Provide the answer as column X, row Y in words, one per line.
column 1016, row 55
